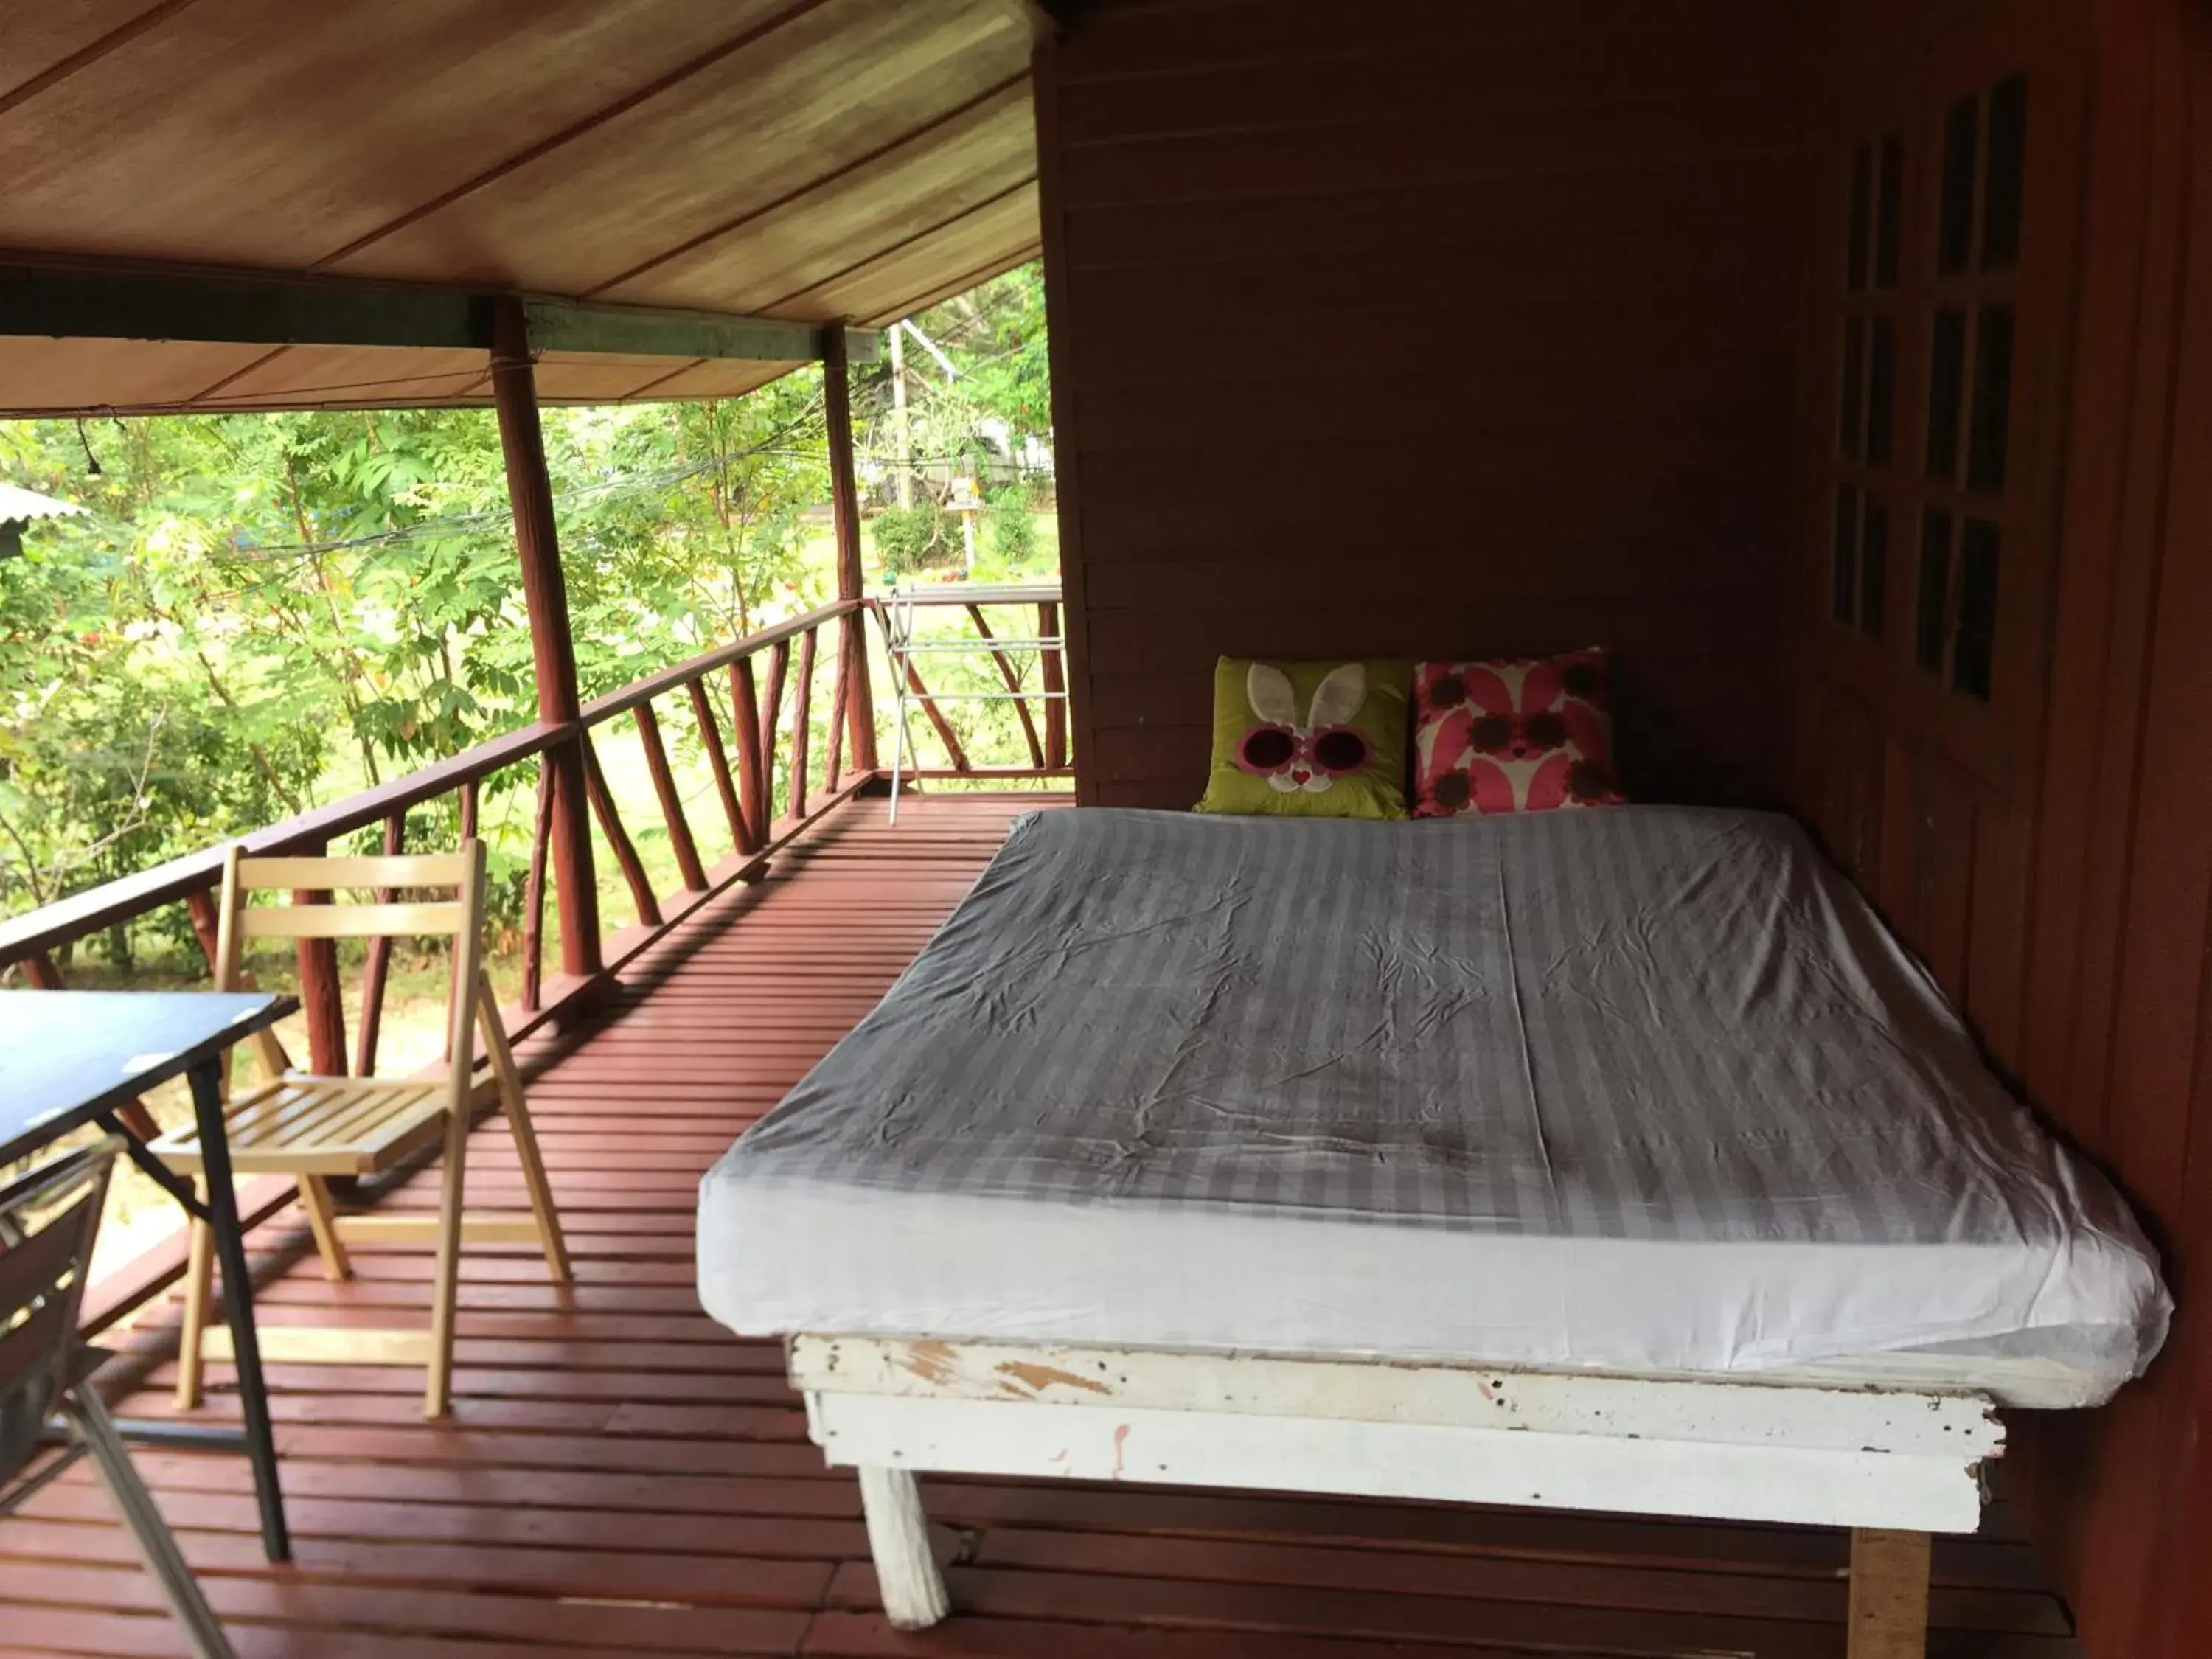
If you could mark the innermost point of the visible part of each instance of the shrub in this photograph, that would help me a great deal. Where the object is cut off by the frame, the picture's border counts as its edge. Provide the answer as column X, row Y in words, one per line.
column 917, row 537
column 1013, row 532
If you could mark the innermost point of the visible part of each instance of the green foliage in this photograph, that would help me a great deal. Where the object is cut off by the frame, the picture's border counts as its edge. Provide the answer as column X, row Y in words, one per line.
column 996, row 333
column 923, row 536
column 1013, row 531
column 980, row 418
column 258, row 614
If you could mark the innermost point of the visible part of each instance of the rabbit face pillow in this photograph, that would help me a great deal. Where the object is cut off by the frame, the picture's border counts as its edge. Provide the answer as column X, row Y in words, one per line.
column 1309, row 739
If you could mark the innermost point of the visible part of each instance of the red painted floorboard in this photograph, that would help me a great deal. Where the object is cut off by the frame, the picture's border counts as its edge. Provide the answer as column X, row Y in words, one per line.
column 622, row 1476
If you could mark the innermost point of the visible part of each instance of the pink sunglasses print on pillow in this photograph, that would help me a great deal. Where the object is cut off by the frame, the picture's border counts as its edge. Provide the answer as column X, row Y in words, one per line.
column 1311, row 754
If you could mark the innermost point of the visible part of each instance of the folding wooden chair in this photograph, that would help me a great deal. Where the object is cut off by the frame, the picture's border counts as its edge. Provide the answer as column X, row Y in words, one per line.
column 49, row 1219
column 315, row 1127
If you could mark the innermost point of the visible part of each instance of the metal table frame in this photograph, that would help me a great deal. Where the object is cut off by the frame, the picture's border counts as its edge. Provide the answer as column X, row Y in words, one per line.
column 201, row 1065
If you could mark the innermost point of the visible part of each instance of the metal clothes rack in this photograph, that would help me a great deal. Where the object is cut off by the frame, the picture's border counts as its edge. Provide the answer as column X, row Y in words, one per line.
column 898, row 610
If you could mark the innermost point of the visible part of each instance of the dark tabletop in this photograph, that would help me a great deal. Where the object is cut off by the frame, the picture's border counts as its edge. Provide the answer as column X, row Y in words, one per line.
column 67, row 1055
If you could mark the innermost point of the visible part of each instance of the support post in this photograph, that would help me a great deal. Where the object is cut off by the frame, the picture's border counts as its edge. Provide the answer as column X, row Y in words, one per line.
column 545, row 594
column 845, row 513
column 898, row 1538
column 1889, row 1594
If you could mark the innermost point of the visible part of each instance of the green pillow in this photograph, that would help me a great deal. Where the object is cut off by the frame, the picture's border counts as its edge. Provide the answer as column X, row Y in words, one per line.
column 1309, row 739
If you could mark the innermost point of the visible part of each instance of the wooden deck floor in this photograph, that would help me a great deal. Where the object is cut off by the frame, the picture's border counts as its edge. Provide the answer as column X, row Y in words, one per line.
column 622, row 1477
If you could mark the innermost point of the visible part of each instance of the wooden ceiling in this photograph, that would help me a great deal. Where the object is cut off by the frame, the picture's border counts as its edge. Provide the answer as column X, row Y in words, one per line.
column 809, row 160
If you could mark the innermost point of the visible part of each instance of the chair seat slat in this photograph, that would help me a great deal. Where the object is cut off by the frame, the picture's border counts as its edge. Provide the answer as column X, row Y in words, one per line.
column 336, row 1125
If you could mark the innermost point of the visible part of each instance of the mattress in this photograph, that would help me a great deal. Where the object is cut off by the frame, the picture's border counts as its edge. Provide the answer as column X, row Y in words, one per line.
column 1646, row 1091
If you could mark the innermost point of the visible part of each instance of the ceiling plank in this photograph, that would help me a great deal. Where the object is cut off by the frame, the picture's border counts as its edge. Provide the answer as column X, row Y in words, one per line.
column 877, row 256
column 936, row 126
column 122, row 33
column 999, row 266
column 578, row 128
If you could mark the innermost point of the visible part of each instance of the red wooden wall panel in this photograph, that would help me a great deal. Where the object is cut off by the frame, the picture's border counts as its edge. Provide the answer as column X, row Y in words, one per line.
column 1462, row 331
column 1472, row 330
column 2071, row 914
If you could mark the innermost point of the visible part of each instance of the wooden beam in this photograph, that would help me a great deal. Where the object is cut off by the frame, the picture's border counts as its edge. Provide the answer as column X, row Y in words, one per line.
column 545, row 596
column 845, row 516
column 643, row 332
column 111, row 302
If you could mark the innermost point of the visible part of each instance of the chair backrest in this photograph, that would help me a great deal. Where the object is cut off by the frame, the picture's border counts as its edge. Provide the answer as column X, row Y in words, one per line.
column 460, row 917
column 51, row 1218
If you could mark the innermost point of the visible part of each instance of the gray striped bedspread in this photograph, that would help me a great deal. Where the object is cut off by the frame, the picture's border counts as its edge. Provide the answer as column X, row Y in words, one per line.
column 1649, row 1024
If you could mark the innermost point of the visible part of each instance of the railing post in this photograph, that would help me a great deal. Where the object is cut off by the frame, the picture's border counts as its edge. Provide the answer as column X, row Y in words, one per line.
column 710, row 735
column 545, row 594
column 845, row 513
column 321, row 1000
column 754, row 779
column 377, row 972
column 801, row 714
column 1052, row 665
column 533, row 892
column 680, row 841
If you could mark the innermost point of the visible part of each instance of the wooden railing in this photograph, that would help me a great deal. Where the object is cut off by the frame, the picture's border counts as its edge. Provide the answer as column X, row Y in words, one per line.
column 769, row 781
column 752, row 703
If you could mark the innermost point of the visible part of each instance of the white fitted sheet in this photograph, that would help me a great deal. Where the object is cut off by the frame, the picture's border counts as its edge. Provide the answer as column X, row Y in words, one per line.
column 1645, row 1091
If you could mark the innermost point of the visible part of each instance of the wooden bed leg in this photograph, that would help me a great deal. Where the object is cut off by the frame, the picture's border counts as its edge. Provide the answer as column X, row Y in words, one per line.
column 899, row 1537
column 1889, row 1594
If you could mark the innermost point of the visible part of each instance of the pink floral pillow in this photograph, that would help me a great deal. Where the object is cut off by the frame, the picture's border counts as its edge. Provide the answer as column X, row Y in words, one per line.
column 1519, row 734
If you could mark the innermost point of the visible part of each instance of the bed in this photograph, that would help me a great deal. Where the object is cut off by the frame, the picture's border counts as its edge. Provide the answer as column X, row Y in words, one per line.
column 1604, row 1159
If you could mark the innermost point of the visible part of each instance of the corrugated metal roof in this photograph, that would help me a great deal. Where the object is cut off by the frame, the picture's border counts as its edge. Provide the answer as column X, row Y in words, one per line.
column 19, row 506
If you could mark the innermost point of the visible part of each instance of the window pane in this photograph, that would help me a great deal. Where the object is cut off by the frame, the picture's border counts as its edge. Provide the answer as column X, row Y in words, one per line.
column 1874, row 567
column 1987, row 438
column 2003, row 186
column 1931, row 621
column 1889, row 208
column 1880, row 391
column 1978, row 608
column 1855, row 241
column 1842, row 553
column 1954, row 226
column 1850, row 415
column 1947, row 369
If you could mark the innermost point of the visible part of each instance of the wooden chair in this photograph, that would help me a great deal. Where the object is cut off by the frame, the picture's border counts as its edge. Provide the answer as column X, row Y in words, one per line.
column 49, row 1219
column 315, row 1127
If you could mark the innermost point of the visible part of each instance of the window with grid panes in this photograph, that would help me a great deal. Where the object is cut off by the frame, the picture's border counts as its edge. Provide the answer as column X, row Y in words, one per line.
column 1866, row 413
column 1968, row 387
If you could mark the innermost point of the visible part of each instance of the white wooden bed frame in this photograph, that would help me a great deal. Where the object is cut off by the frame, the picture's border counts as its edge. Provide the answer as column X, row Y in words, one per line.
column 1894, row 1465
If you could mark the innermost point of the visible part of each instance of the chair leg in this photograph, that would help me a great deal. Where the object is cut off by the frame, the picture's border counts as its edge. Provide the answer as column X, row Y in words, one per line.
column 323, row 1222
column 445, row 1289
column 899, row 1537
column 512, row 1102
column 157, row 1544
column 199, row 1290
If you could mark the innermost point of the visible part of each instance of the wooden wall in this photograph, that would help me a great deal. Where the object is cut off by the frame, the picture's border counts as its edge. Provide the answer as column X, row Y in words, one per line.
column 1441, row 329
column 1482, row 329
column 2067, row 904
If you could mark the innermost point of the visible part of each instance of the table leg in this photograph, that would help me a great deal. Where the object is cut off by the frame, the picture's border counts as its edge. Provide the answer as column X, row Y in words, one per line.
column 238, row 1308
